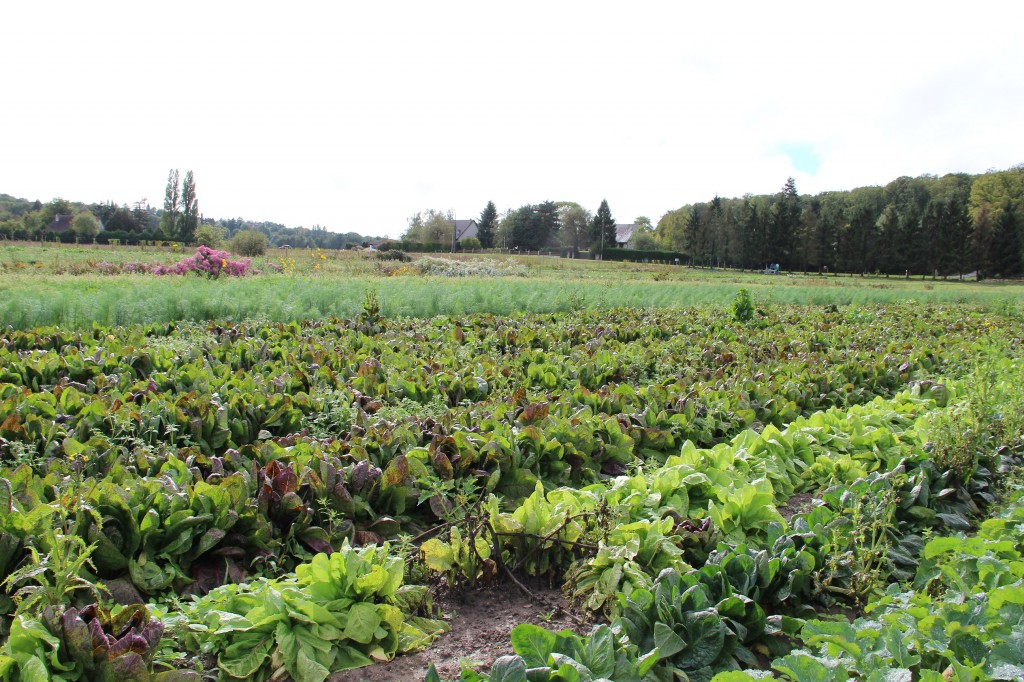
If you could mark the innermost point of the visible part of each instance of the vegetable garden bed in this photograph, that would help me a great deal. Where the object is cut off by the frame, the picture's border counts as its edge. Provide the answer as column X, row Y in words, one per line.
column 281, row 497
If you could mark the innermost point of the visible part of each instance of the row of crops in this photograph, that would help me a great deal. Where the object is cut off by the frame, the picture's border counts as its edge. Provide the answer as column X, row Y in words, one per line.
column 256, row 500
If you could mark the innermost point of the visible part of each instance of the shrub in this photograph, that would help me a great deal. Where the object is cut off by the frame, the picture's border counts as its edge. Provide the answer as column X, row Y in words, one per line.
column 206, row 261
column 396, row 254
column 640, row 256
column 470, row 244
column 248, row 243
column 210, row 235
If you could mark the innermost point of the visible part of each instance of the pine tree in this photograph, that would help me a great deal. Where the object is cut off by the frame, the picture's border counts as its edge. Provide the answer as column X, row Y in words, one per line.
column 602, row 233
column 485, row 231
column 1006, row 256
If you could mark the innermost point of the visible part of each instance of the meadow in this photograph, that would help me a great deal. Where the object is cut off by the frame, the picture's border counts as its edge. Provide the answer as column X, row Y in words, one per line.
column 77, row 286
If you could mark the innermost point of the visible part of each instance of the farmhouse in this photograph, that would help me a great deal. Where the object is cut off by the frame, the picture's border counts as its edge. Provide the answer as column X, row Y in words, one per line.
column 464, row 229
column 60, row 224
column 624, row 233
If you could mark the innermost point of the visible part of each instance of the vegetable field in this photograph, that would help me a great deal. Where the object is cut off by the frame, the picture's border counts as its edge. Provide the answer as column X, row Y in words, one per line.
column 814, row 493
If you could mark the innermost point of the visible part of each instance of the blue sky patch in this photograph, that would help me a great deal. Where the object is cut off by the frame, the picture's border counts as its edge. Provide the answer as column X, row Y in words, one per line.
column 804, row 156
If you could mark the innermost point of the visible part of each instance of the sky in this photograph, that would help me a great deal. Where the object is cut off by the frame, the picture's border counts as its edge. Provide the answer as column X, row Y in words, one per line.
column 356, row 115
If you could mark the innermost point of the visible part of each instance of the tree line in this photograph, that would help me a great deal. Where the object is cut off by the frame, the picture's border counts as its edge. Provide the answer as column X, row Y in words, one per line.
column 178, row 221
column 937, row 226
column 563, row 226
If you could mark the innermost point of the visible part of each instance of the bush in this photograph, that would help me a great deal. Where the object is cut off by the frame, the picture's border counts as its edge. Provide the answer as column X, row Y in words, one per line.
column 396, row 254
column 470, row 244
column 206, row 261
column 210, row 235
column 117, row 237
column 248, row 243
column 427, row 247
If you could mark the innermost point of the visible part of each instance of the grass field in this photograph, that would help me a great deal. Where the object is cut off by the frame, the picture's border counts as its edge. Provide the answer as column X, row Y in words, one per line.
column 66, row 286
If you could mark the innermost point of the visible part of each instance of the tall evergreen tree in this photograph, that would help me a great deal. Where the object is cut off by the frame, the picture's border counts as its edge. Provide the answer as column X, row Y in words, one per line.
column 958, row 236
column 783, row 224
column 696, row 235
column 189, row 209
column 602, row 234
column 525, row 232
column 750, row 233
column 933, row 227
column 485, row 231
column 1006, row 243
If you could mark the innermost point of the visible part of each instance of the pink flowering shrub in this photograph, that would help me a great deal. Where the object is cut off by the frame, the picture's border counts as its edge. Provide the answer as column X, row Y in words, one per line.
column 206, row 261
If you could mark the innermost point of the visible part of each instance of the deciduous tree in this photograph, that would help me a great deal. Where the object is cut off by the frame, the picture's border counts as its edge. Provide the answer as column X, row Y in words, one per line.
column 189, row 209
column 575, row 232
column 85, row 226
column 172, row 206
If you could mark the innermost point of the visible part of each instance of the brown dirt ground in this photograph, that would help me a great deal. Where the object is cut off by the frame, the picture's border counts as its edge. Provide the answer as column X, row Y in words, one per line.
column 800, row 503
column 481, row 620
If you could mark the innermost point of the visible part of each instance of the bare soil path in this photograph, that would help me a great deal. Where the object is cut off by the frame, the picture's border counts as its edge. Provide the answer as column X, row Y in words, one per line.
column 481, row 621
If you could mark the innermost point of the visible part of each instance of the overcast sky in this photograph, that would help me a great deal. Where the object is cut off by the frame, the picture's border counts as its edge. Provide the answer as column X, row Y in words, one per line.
column 356, row 115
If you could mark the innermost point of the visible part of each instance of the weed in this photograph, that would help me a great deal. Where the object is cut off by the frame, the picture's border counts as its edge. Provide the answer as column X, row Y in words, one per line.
column 51, row 579
column 743, row 306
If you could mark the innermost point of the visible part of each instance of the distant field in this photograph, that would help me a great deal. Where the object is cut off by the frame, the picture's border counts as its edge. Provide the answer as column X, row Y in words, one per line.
column 63, row 285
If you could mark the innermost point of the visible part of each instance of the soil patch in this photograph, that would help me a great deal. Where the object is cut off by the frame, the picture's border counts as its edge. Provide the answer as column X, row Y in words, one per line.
column 481, row 621
column 801, row 503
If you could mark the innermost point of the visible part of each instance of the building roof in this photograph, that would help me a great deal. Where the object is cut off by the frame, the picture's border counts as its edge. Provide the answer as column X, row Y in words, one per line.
column 465, row 229
column 61, row 223
column 624, row 232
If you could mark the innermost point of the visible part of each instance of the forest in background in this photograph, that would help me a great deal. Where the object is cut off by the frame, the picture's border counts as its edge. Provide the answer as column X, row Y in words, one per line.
column 21, row 219
column 945, row 226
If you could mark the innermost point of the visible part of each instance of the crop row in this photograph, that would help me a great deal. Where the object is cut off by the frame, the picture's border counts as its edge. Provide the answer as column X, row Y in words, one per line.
column 613, row 449
column 701, row 575
column 236, row 444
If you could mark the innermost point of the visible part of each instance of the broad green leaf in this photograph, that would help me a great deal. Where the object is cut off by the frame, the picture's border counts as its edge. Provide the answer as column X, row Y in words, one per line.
column 646, row 662
column 804, row 668
column 1010, row 594
column 707, row 637
column 308, row 670
column 668, row 642
column 438, row 555
column 533, row 643
column 509, row 669
column 245, row 667
column 599, row 652
column 363, row 620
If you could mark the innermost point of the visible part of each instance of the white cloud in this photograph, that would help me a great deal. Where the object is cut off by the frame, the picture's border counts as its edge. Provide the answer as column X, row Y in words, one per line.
column 356, row 116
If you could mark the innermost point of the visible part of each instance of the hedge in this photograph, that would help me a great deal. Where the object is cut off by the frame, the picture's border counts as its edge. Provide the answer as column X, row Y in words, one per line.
column 645, row 256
